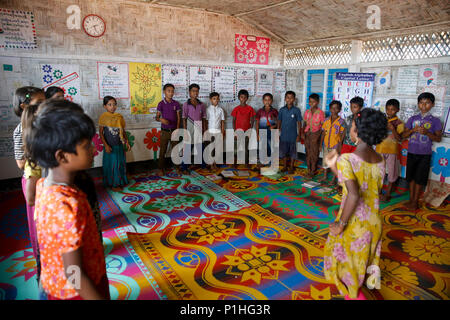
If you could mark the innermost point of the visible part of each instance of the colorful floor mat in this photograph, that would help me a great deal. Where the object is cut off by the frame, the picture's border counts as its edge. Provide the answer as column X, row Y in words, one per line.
column 153, row 203
column 250, row 254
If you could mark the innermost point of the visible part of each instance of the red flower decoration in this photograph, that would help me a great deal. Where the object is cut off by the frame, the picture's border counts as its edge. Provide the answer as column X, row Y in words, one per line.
column 98, row 144
column 403, row 153
column 153, row 139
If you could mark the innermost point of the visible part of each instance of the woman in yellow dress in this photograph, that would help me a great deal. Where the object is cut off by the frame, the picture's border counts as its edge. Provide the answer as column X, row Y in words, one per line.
column 354, row 242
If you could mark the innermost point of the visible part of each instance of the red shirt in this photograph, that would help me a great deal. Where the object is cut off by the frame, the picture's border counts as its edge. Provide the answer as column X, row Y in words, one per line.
column 243, row 116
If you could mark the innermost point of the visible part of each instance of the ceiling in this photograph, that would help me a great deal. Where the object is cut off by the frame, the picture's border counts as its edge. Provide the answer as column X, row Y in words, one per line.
column 297, row 22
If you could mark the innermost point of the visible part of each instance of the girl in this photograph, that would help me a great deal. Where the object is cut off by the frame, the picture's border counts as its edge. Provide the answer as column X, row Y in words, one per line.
column 112, row 133
column 354, row 243
column 266, row 119
column 26, row 101
column 54, row 93
column 73, row 264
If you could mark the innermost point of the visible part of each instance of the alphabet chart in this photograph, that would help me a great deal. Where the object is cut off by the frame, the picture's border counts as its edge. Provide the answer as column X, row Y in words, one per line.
column 351, row 84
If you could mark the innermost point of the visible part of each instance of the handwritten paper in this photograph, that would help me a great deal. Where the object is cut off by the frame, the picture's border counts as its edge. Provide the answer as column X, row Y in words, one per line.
column 176, row 75
column 280, row 81
column 245, row 80
column 6, row 147
column 407, row 80
column 113, row 80
column 264, row 81
column 203, row 77
column 224, row 82
column 17, row 30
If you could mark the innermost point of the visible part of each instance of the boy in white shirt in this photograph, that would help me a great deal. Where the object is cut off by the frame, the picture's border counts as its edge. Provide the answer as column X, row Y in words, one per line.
column 215, row 118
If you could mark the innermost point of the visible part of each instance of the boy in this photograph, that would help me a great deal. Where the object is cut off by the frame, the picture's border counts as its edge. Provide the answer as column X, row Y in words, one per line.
column 389, row 147
column 215, row 118
column 168, row 113
column 266, row 119
column 332, row 134
column 194, row 116
column 243, row 118
column 356, row 105
column 290, row 126
column 314, row 118
column 422, row 129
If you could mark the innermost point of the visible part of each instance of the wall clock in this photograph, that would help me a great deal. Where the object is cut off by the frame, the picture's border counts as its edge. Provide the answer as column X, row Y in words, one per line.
column 94, row 25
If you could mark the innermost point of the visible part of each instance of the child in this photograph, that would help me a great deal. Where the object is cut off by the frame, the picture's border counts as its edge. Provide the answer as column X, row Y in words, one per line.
column 243, row 118
column 73, row 264
column 112, row 132
column 422, row 129
column 215, row 118
column 266, row 119
column 314, row 118
column 194, row 116
column 168, row 113
column 290, row 126
column 356, row 105
column 54, row 93
column 26, row 102
column 354, row 241
column 332, row 134
column 389, row 147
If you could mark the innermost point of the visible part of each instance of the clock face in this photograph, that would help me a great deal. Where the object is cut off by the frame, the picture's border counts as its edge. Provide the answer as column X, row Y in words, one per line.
column 94, row 25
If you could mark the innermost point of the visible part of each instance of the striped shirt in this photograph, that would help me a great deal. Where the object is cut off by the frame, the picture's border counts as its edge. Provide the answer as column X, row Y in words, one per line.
column 18, row 143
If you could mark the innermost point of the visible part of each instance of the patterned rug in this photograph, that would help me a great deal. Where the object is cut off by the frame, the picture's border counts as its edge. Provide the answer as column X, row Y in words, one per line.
column 152, row 203
column 250, row 254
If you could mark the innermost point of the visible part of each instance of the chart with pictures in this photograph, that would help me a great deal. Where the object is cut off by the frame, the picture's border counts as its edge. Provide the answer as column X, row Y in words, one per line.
column 65, row 76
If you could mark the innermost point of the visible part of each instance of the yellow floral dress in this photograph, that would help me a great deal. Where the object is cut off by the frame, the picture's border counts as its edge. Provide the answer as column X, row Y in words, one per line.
column 348, row 255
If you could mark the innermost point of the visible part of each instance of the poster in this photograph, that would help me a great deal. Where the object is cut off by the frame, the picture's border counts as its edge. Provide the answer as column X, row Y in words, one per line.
column 65, row 76
column 408, row 108
column 6, row 147
column 251, row 49
column 224, row 82
column 407, row 80
column 447, row 122
column 437, row 91
column 113, row 80
column 145, row 87
column 8, row 119
column 351, row 84
column 280, row 82
column 428, row 75
column 176, row 75
column 379, row 104
column 17, row 30
column 203, row 77
column 245, row 79
column 382, row 77
column 10, row 64
column 264, row 81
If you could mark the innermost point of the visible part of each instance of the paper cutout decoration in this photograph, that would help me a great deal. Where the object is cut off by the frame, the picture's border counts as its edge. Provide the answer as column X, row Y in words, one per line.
column 251, row 49
column 65, row 76
column 145, row 87
column 428, row 75
column 113, row 80
column 17, row 30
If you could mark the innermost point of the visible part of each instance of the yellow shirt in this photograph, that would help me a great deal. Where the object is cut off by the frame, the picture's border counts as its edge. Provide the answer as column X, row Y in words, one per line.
column 390, row 144
column 30, row 172
column 333, row 132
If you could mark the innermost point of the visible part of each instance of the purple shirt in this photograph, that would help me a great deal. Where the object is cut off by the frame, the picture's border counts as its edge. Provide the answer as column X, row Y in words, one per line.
column 169, row 112
column 419, row 143
column 194, row 113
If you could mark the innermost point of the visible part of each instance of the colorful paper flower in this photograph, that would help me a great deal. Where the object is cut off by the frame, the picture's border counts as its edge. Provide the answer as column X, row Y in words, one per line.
column 58, row 74
column 152, row 139
column 47, row 78
column 262, row 45
column 241, row 43
column 130, row 138
column 68, row 98
column 262, row 58
column 240, row 56
column 251, row 55
column 46, row 68
column 98, row 144
column 72, row 91
column 440, row 162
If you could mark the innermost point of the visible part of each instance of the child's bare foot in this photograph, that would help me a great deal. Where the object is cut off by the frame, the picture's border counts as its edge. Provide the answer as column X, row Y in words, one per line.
column 285, row 169
column 411, row 205
column 291, row 170
column 178, row 170
column 161, row 172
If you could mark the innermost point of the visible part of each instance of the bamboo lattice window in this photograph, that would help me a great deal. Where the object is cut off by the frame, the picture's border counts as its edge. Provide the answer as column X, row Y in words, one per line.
column 319, row 55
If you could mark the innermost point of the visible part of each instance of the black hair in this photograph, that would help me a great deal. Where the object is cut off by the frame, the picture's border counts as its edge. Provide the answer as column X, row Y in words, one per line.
column 358, row 100
column 393, row 102
column 289, row 92
column 371, row 125
column 213, row 94
column 168, row 85
column 314, row 96
column 107, row 99
column 194, row 85
column 268, row 95
column 336, row 102
column 23, row 96
column 58, row 125
column 426, row 95
column 244, row 92
column 51, row 91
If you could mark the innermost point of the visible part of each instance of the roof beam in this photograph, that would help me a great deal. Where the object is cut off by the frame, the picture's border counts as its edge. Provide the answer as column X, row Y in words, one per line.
column 263, row 8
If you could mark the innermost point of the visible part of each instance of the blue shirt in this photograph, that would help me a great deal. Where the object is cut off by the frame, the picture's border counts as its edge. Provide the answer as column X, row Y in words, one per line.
column 289, row 119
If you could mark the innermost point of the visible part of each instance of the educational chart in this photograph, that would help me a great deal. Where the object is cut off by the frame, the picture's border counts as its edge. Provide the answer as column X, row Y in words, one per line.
column 113, row 80
column 65, row 76
column 245, row 79
column 439, row 93
column 176, row 75
column 407, row 80
column 264, row 81
column 202, row 76
column 428, row 75
column 251, row 49
column 10, row 64
column 8, row 119
column 351, row 84
column 224, row 82
column 145, row 87
column 382, row 77
column 280, row 82
column 17, row 30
